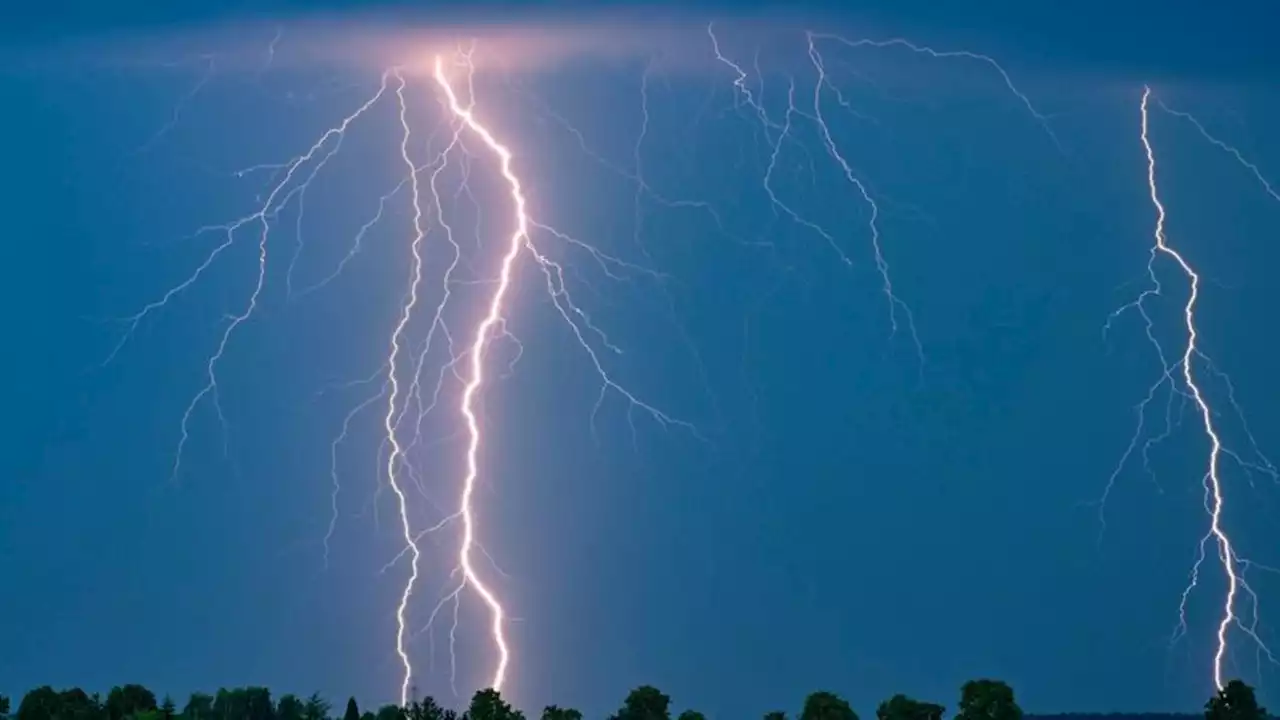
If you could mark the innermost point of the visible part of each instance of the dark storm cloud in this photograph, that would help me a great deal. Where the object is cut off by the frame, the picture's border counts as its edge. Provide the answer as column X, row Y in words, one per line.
column 1134, row 39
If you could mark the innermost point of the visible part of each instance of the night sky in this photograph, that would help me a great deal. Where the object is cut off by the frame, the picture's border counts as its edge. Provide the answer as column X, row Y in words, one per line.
column 848, row 512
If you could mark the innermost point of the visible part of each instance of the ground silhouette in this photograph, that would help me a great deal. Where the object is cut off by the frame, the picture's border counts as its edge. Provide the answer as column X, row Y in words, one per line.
column 983, row 699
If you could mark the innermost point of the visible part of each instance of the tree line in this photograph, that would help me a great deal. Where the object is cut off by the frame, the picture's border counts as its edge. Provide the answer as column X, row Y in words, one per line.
column 979, row 700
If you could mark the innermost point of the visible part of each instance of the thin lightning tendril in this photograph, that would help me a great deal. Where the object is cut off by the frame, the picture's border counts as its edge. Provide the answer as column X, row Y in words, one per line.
column 779, row 133
column 882, row 265
column 952, row 54
column 397, row 452
column 269, row 208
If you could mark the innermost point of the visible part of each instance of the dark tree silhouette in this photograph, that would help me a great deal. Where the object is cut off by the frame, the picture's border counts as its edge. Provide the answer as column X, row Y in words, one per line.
column 555, row 712
column 425, row 709
column 826, row 706
column 199, row 707
column 128, row 700
column 389, row 712
column 40, row 703
column 901, row 707
column 983, row 699
column 289, row 707
column 228, row 704
column 353, row 710
column 76, row 704
column 488, row 704
column 258, row 704
column 316, row 708
column 645, row 703
column 1235, row 701
column 987, row 700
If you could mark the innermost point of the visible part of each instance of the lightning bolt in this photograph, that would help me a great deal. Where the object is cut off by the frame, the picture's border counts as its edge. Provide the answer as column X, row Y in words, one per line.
column 476, row 378
column 1181, row 374
column 491, row 325
column 390, row 420
column 399, row 382
column 403, row 383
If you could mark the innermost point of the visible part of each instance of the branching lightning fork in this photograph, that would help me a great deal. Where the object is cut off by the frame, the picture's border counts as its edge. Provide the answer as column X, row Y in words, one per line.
column 400, row 380
column 1181, row 374
column 777, row 134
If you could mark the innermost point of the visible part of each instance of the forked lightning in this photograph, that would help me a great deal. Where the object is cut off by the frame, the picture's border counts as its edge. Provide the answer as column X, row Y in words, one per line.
column 1181, row 377
column 408, row 391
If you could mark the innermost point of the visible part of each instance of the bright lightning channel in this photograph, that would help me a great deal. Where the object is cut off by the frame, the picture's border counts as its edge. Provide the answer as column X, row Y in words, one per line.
column 518, row 239
column 288, row 185
column 1233, row 565
column 490, row 326
column 493, row 322
column 397, row 452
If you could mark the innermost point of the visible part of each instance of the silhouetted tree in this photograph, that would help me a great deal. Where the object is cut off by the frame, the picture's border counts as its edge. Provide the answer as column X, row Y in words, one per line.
column 390, row 712
column 555, row 712
column 39, row 704
column 353, row 710
column 901, row 707
column 289, row 707
column 425, row 709
column 488, row 704
column 827, row 706
column 1235, row 701
column 987, row 700
column 76, row 704
column 124, row 701
column 644, row 703
column 317, row 708
column 258, row 704
column 982, row 699
column 229, row 704
column 199, row 707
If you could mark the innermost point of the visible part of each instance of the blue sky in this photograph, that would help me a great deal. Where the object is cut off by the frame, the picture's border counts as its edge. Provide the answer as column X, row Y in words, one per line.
column 846, row 516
